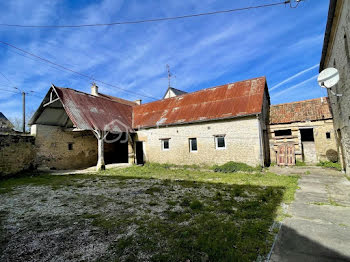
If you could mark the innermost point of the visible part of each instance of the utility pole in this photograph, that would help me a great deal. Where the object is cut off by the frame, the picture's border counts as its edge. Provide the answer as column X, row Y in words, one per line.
column 24, row 112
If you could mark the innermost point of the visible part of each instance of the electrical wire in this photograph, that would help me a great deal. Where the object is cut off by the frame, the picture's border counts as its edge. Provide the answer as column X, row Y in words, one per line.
column 155, row 19
column 9, row 91
column 73, row 71
column 8, row 80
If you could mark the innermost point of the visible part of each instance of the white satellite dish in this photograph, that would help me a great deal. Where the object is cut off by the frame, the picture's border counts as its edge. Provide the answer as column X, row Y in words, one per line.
column 328, row 77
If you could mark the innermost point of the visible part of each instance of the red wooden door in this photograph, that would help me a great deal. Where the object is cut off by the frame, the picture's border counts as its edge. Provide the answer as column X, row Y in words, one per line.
column 286, row 155
column 290, row 155
column 281, row 155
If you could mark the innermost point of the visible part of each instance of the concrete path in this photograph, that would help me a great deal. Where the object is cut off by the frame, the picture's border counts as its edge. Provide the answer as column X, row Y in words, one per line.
column 82, row 171
column 319, row 229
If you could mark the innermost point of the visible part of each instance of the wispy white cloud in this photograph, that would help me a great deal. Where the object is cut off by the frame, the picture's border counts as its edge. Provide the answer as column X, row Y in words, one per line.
column 293, row 77
column 201, row 52
column 301, row 84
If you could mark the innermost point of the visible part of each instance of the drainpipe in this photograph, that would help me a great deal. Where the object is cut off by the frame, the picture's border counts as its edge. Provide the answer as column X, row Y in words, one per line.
column 262, row 163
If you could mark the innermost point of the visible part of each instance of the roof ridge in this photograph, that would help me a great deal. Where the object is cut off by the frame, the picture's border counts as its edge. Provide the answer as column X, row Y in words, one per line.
column 205, row 89
column 78, row 91
column 177, row 89
column 302, row 101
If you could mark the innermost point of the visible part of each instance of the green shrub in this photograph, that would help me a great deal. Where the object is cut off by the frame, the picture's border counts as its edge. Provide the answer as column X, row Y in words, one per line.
column 329, row 164
column 231, row 167
column 300, row 163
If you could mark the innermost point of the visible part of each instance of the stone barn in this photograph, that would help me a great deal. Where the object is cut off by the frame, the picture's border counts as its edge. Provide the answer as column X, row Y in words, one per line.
column 336, row 53
column 69, row 125
column 302, row 131
column 211, row 126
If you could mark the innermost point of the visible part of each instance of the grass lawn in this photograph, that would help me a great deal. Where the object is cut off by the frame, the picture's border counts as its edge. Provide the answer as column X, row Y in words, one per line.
column 149, row 213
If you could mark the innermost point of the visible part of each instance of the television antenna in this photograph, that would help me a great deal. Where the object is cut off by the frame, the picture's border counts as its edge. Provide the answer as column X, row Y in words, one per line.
column 329, row 78
column 170, row 75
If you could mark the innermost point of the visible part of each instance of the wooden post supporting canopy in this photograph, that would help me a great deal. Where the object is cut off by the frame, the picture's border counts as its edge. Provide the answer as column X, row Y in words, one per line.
column 100, row 135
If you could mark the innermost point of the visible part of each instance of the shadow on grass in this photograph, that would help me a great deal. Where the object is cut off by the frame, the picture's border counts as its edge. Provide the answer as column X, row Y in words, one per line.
column 168, row 220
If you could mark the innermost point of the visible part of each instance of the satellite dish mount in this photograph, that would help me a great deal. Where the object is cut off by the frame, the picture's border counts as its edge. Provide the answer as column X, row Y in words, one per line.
column 329, row 78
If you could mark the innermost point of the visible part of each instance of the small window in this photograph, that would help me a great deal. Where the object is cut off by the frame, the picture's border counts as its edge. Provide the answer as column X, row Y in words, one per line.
column 285, row 132
column 165, row 144
column 70, row 146
column 220, row 142
column 328, row 135
column 193, row 144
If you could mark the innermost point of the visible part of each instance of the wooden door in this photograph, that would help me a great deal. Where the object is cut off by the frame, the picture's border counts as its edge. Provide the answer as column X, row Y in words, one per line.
column 290, row 154
column 286, row 155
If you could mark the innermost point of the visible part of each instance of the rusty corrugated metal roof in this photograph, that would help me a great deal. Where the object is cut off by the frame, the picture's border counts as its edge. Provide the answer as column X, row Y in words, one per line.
column 227, row 101
column 117, row 99
column 301, row 111
column 89, row 112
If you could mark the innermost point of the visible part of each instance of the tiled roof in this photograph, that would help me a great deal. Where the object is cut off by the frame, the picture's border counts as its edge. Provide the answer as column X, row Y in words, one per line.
column 222, row 102
column 308, row 110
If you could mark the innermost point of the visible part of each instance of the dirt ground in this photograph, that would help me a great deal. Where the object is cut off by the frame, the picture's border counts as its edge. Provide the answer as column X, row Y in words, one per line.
column 90, row 218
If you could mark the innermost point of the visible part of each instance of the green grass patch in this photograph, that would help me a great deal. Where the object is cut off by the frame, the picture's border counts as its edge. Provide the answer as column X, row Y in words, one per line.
column 300, row 163
column 157, row 213
column 232, row 167
column 328, row 164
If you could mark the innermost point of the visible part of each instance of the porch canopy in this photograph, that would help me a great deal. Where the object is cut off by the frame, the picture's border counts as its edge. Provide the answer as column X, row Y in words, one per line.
column 80, row 111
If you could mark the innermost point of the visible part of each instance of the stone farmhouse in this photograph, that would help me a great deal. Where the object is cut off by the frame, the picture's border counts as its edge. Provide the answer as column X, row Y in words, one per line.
column 215, row 125
column 302, row 131
column 336, row 53
column 232, row 122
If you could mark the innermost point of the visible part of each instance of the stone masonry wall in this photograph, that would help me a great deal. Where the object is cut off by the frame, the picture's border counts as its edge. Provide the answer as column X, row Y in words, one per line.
column 338, row 56
column 322, row 143
column 52, row 146
column 241, row 136
column 17, row 153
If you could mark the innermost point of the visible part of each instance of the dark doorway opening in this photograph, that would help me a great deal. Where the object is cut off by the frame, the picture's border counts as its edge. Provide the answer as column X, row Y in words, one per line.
column 307, row 135
column 117, row 151
column 139, row 153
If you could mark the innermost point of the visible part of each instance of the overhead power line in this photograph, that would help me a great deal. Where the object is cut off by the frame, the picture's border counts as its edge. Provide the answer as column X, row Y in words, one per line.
column 9, row 91
column 156, row 19
column 73, row 71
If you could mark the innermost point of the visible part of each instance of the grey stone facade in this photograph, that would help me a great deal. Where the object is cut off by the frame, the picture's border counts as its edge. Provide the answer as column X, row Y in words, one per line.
column 336, row 53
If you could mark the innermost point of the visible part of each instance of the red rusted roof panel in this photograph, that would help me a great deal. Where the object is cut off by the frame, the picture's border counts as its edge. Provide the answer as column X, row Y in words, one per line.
column 89, row 112
column 226, row 101
column 307, row 110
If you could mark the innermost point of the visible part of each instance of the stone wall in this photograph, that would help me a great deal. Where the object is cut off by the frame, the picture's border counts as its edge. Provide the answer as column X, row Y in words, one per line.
column 322, row 143
column 338, row 56
column 241, row 137
column 58, row 148
column 17, row 153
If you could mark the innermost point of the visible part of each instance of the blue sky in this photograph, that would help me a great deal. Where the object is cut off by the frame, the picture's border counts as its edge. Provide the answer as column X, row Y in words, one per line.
column 280, row 43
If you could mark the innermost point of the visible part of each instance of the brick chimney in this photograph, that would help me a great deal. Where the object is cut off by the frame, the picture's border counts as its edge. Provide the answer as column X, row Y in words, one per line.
column 94, row 89
column 138, row 101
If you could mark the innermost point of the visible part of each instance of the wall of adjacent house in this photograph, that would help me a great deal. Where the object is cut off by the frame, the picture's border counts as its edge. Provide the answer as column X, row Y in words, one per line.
column 338, row 56
column 55, row 152
column 17, row 153
column 241, row 137
column 322, row 143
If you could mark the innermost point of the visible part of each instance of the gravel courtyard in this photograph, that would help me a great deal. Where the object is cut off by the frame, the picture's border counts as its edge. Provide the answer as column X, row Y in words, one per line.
column 121, row 217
